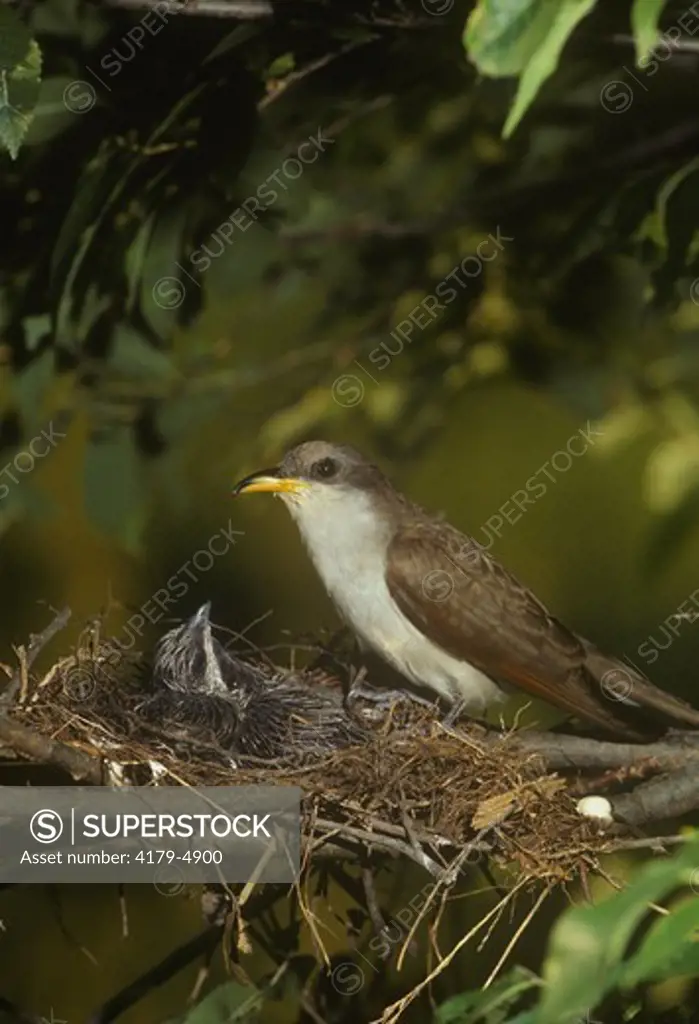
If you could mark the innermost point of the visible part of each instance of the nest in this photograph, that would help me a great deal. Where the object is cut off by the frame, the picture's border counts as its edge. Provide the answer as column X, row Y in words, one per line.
column 443, row 797
column 415, row 788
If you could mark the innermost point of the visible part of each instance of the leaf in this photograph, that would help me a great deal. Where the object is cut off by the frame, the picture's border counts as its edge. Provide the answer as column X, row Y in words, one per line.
column 135, row 258
column 108, row 178
column 493, row 809
column 676, row 210
column 545, row 60
column 645, row 15
column 670, row 948
column 91, row 192
column 281, row 66
column 239, row 36
column 501, row 36
column 596, row 938
column 164, row 282
column 521, row 37
column 51, row 115
column 491, row 1005
column 20, row 79
column 15, row 40
column 229, row 1003
column 36, row 329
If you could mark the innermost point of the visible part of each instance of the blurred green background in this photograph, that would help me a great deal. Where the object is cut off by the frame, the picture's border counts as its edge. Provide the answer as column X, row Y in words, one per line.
column 588, row 316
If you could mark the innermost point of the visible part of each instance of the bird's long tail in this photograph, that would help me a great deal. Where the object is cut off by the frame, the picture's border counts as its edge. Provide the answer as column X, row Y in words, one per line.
column 635, row 696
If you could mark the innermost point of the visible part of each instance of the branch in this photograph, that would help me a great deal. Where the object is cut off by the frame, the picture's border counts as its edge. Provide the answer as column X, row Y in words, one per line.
column 506, row 200
column 44, row 750
column 17, row 1016
column 201, row 945
column 244, row 10
column 359, row 839
column 565, row 753
column 669, row 796
column 27, row 656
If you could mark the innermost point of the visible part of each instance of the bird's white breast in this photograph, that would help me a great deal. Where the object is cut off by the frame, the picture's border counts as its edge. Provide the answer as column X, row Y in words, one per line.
column 348, row 543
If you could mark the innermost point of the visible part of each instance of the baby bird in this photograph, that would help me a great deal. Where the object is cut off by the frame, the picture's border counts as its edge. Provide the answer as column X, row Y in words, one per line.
column 250, row 709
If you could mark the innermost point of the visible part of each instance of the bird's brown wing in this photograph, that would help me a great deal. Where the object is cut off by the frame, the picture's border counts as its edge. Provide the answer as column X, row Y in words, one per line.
column 473, row 608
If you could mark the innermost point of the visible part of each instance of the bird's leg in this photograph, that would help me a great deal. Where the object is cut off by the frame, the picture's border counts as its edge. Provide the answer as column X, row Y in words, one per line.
column 454, row 713
column 382, row 697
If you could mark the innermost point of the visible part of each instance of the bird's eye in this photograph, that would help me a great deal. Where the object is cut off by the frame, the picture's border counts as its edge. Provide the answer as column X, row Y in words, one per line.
column 324, row 469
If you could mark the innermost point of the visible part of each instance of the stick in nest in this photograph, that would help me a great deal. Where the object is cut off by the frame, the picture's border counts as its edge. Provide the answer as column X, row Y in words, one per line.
column 28, row 655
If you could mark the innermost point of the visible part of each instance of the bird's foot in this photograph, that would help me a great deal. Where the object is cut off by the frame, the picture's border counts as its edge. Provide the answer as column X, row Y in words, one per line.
column 382, row 698
column 454, row 713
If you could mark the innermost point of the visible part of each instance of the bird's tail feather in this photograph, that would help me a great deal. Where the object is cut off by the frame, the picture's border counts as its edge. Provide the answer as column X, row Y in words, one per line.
column 634, row 694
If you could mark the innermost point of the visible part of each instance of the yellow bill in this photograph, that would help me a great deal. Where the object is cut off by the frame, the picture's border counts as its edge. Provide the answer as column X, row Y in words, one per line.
column 268, row 481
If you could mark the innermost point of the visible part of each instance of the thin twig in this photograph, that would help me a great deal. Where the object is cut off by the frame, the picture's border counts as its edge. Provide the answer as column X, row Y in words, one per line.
column 244, row 10
column 371, row 900
column 517, row 935
column 392, row 1012
column 28, row 655
column 173, row 963
column 390, row 845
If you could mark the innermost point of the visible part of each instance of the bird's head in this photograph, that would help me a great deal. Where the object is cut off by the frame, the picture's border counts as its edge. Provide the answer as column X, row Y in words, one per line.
column 315, row 472
column 185, row 657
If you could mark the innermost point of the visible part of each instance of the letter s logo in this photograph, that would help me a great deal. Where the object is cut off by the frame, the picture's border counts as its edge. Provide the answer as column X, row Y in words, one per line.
column 46, row 826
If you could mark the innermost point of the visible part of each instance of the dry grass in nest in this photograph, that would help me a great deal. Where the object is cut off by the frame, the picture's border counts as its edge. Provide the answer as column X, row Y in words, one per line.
column 443, row 798
column 415, row 788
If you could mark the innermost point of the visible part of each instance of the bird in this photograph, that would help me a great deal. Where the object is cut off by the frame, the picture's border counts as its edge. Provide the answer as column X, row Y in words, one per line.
column 441, row 610
column 190, row 660
column 250, row 709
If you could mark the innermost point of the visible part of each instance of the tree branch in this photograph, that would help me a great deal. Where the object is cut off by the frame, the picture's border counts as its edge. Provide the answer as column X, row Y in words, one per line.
column 40, row 749
column 244, row 10
column 567, row 753
column 201, row 945
column 669, row 796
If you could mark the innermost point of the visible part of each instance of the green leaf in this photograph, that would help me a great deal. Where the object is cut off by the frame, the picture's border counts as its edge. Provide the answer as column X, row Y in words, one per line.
column 282, row 65
column 92, row 188
column 502, row 35
column 107, row 181
column 596, row 938
column 491, row 1004
column 15, row 40
column 645, row 15
column 227, row 1004
column 51, row 115
column 135, row 259
column 164, row 281
column 521, row 37
column 20, row 79
column 240, row 35
column 670, row 949
column 545, row 60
